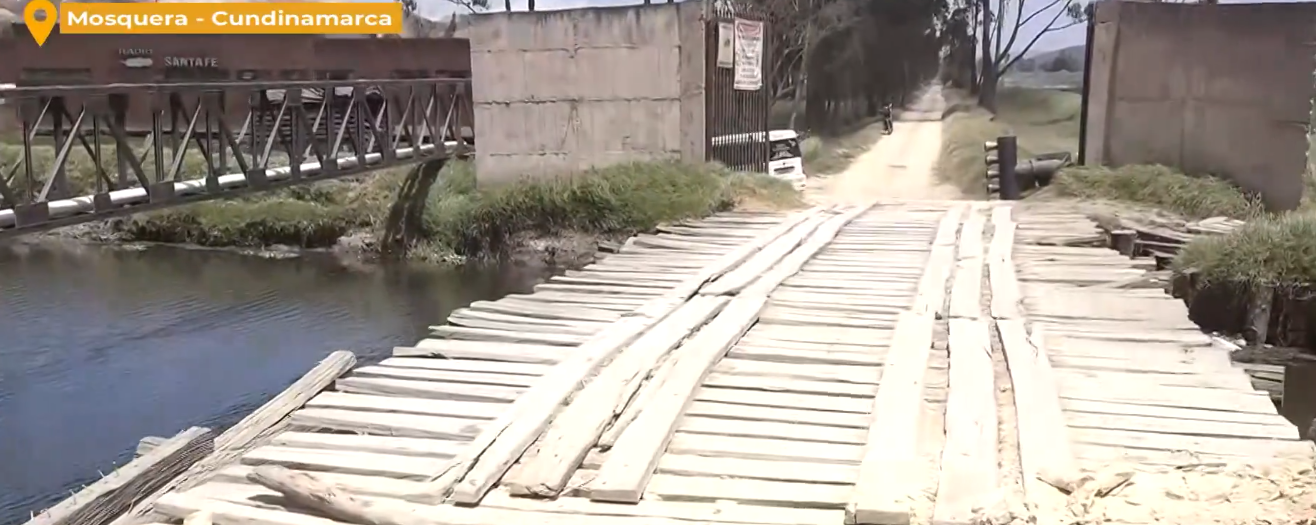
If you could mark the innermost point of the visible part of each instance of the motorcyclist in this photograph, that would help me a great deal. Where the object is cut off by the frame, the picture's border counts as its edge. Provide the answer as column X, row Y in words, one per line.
column 887, row 124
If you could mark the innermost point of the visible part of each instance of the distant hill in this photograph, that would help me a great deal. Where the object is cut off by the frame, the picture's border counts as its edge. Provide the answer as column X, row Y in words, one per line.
column 1073, row 58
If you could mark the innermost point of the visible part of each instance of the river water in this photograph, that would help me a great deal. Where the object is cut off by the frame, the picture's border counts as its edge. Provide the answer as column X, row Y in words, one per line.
column 101, row 346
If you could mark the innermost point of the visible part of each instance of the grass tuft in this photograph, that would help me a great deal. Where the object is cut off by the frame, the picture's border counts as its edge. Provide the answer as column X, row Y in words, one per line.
column 1275, row 251
column 1194, row 197
column 624, row 198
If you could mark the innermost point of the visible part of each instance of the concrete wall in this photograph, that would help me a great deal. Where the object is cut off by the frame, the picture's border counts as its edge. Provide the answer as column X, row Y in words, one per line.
column 561, row 91
column 1221, row 89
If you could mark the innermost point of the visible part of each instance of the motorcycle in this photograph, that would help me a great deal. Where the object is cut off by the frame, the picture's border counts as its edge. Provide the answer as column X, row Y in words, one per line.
column 888, row 127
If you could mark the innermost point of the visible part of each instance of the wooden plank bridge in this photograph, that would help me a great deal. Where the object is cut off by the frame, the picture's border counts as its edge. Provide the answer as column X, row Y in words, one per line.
column 904, row 362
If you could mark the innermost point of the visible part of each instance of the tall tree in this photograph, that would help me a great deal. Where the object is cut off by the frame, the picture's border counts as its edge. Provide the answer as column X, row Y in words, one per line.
column 1001, row 26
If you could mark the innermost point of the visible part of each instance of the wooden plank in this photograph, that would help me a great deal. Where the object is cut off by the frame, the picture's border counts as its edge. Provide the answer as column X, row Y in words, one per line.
column 785, row 400
column 502, row 336
column 932, row 283
column 458, row 349
column 400, row 446
column 779, row 493
column 626, row 473
column 500, row 509
column 763, row 448
column 428, row 389
column 357, row 484
column 507, row 438
column 738, row 279
column 795, row 261
column 771, row 430
column 112, row 495
column 382, row 423
column 233, row 442
column 469, row 365
column 737, row 412
column 758, row 469
column 528, row 309
column 883, row 492
column 968, row 460
column 446, row 376
column 667, row 512
column 581, row 424
column 1044, row 440
column 1196, row 427
column 966, row 290
column 406, row 405
column 347, row 462
column 1000, row 264
column 793, row 386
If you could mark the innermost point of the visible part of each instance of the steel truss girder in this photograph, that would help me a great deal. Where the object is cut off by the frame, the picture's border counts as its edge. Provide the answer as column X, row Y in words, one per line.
column 321, row 130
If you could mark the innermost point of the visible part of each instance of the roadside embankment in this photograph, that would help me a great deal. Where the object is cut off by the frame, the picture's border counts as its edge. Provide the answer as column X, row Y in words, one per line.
column 460, row 222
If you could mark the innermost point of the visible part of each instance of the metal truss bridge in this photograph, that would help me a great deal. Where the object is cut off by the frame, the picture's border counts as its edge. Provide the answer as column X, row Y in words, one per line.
column 247, row 137
column 112, row 124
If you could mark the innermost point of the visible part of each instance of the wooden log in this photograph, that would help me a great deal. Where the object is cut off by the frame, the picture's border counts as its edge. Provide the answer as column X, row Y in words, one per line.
column 968, row 462
column 891, row 461
column 233, row 442
column 632, row 461
column 305, row 491
column 1045, row 454
column 505, row 439
column 112, row 495
column 581, row 424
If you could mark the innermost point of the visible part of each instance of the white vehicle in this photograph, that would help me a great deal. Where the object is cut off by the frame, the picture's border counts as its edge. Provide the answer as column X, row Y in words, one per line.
column 784, row 159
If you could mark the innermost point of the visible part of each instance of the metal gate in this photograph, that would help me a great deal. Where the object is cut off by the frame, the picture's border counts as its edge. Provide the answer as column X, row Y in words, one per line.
column 736, row 120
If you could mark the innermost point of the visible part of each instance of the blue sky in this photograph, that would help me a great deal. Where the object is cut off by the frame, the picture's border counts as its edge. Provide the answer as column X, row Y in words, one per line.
column 1054, row 40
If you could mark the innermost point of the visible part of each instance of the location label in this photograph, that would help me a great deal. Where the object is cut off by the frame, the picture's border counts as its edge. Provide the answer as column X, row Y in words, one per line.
column 40, row 29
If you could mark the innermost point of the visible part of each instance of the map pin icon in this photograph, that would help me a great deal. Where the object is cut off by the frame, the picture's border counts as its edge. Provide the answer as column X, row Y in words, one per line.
column 40, row 29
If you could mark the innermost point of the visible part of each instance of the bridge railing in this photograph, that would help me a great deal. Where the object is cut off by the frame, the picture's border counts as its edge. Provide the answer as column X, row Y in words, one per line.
column 83, row 158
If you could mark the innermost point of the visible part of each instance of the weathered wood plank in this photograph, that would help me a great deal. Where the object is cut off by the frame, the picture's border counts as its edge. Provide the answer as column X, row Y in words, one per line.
column 580, row 425
column 968, row 461
column 114, row 494
column 891, row 460
column 233, row 442
column 630, row 466
column 1045, row 453
column 508, row 437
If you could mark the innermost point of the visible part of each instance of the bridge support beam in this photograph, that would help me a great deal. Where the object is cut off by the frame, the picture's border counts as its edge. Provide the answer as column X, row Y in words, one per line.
column 408, row 210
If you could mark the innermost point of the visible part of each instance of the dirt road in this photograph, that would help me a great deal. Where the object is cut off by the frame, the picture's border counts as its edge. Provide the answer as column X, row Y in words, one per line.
column 900, row 166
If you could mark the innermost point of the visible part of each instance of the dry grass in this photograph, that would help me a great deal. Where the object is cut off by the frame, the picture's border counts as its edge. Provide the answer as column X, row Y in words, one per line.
column 1271, row 250
column 1160, row 187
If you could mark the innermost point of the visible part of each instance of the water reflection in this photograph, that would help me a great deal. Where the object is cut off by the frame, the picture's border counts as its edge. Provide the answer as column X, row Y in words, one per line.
column 101, row 346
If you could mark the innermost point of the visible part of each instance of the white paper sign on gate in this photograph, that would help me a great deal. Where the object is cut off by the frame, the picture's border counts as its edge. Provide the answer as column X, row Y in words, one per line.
column 749, row 55
column 726, row 44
